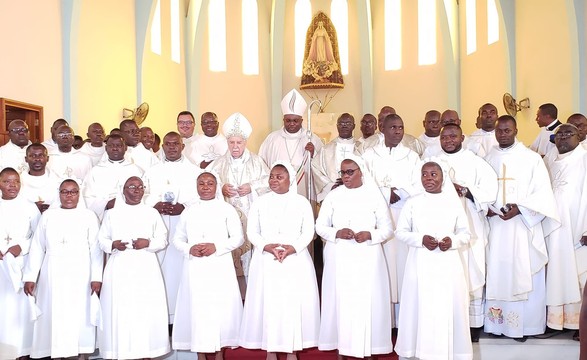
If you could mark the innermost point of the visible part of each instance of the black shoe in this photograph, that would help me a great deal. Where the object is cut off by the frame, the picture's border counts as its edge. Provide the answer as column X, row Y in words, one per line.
column 576, row 336
column 522, row 339
column 548, row 333
column 475, row 333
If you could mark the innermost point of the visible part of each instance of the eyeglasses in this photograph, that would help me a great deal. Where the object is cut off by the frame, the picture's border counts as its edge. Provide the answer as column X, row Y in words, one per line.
column 135, row 187
column 186, row 123
column 64, row 136
column 19, row 130
column 564, row 134
column 348, row 172
column 69, row 192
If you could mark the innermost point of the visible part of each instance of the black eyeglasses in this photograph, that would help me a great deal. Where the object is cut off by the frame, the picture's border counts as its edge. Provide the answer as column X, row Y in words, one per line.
column 69, row 192
column 348, row 172
column 19, row 130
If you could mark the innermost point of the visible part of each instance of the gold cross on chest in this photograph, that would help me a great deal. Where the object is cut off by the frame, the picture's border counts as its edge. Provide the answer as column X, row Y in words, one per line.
column 503, row 179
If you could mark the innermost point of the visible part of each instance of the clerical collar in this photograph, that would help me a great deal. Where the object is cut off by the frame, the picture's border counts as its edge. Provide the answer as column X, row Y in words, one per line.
column 172, row 161
column 350, row 140
column 553, row 125
column 116, row 161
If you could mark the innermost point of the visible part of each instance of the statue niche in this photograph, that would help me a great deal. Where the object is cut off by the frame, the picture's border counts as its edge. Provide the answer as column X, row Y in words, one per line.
column 321, row 68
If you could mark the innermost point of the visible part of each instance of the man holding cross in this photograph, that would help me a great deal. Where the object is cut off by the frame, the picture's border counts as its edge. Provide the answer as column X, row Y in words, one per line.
column 523, row 214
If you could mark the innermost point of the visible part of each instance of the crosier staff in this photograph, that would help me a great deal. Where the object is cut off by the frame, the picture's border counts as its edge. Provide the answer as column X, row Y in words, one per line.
column 311, row 192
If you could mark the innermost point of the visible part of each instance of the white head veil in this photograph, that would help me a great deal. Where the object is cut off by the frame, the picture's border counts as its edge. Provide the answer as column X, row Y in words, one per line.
column 447, row 190
column 366, row 175
column 121, row 199
column 293, row 186
column 81, row 204
column 218, row 194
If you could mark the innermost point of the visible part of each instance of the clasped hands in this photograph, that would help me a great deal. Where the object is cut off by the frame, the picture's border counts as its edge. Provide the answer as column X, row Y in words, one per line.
column 512, row 211
column 229, row 190
column 137, row 244
column 167, row 208
column 203, row 249
column 430, row 243
column 280, row 251
column 348, row 234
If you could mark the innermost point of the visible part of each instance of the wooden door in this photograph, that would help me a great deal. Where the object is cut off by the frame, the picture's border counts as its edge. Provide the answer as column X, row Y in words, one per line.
column 31, row 114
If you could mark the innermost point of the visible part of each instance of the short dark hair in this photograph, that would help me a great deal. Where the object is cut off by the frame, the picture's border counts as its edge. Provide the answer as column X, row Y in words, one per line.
column 115, row 136
column 508, row 118
column 392, row 117
column 451, row 125
column 185, row 112
column 549, row 109
column 8, row 170
column 209, row 113
column 35, row 146
column 126, row 122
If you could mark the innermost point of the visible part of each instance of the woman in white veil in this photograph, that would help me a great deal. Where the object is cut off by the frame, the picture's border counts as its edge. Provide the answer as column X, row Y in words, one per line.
column 64, row 270
column 354, row 221
column 281, row 306
column 209, row 305
column 434, row 321
column 134, row 305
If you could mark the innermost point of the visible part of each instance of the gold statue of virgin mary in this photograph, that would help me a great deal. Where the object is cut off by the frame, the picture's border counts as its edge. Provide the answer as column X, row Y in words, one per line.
column 321, row 69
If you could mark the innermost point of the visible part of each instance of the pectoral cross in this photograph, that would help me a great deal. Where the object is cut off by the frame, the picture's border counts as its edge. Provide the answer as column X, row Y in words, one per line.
column 343, row 150
column 503, row 179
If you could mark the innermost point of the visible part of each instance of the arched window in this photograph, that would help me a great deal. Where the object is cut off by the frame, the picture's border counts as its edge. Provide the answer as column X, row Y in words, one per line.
column 339, row 12
column 471, row 25
column 175, row 33
column 393, row 34
column 302, row 18
column 217, row 35
column 156, row 30
column 492, row 22
column 426, row 32
column 250, row 32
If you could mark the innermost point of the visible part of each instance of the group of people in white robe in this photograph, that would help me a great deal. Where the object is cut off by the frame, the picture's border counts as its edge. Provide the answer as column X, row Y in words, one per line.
column 433, row 235
column 520, row 253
